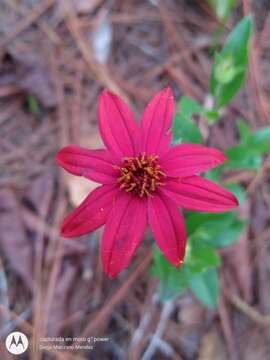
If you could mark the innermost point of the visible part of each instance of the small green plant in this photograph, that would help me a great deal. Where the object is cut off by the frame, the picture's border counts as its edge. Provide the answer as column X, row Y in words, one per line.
column 208, row 232
column 231, row 63
column 33, row 105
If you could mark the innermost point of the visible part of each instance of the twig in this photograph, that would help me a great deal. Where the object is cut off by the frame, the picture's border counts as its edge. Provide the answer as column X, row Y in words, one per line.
column 249, row 311
column 178, row 43
column 57, row 258
column 23, row 324
column 258, row 178
column 15, row 323
column 140, row 335
column 61, row 108
column 28, row 20
column 117, row 297
column 3, row 295
column 27, row 328
column 226, row 327
column 23, row 10
column 245, row 175
column 98, row 69
column 8, row 90
column 38, row 283
column 156, row 341
column 265, row 33
column 9, row 110
column 260, row 98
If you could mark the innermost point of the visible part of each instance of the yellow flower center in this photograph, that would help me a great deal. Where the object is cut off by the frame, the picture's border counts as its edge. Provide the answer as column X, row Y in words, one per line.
column 140, row 175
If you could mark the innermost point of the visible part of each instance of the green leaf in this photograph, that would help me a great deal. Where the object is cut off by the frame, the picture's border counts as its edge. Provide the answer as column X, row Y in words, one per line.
column 244, row 130
column 242, row 157
column 222, row 8
column 238, row 191
column 189, row 107
column 172, row 280
column 259, row 141
column 216, row 230
column 230, row 65
column 225, row 70
column 202, row 256
column 33, row 104
column 185, row 130
column 211, row 116
column 262, row 135
column 229, row 235
column 195, row 220
column 247, row 154
column 205, row 286
column 214, row 174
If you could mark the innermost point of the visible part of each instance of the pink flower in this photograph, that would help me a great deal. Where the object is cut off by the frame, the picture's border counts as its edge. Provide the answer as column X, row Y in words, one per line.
column 144, row 181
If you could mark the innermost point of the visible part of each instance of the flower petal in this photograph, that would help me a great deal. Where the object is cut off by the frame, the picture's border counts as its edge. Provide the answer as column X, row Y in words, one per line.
column 96, row 165
column 157, row 120
column 165, row 144
column 168, row 227
column 118, row 128
column 197, row 193
column 190, row 159
column 91, row 214
column 123, row 232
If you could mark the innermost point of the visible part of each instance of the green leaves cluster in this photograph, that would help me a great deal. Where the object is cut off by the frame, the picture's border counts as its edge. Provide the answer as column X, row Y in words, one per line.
column 230, row 64
column 184, row 129
column 227, row 77
column 252, row 145
column 208, row 232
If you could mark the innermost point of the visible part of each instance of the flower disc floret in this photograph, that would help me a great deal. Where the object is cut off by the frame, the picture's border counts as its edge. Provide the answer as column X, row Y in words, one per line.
column 141, row 175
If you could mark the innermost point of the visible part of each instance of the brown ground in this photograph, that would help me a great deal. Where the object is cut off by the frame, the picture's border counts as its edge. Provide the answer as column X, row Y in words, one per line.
column 53, row 287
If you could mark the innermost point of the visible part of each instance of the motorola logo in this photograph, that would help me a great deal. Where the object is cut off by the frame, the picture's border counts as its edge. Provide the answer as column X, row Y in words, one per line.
column 16, row 343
